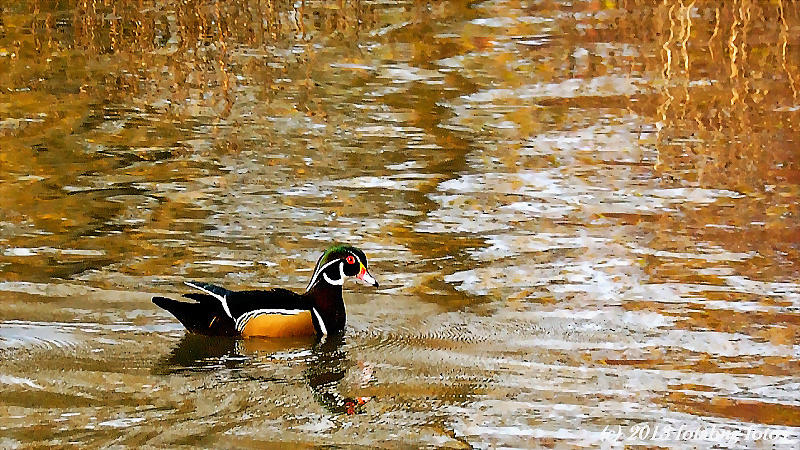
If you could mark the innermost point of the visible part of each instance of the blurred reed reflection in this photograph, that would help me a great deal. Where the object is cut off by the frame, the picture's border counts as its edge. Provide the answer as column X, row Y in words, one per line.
column 183, row 58
column 728, row 119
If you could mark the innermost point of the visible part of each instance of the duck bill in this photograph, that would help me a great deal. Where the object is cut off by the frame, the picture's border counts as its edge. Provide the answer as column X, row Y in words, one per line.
column 366, row 278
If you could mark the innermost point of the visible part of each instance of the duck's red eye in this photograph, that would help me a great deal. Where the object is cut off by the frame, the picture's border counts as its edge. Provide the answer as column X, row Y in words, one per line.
column 350, row 259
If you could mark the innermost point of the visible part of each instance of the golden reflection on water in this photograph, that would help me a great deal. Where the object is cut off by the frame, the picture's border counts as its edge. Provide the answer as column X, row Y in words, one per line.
column 584, row 213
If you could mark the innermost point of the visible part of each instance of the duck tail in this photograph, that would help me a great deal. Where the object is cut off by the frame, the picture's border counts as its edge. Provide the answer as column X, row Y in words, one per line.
column 199, row 317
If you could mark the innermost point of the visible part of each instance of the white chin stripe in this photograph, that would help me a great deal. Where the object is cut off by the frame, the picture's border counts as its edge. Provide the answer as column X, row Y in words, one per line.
column 338, row 282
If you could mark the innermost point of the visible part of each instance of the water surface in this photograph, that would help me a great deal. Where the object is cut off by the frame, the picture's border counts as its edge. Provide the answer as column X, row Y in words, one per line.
column 583, row 215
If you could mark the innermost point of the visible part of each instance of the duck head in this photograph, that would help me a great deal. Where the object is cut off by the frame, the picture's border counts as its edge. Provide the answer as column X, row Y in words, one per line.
column 339, row 263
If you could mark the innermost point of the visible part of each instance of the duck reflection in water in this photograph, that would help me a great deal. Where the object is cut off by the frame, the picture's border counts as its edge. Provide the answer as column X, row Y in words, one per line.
column 327, row 362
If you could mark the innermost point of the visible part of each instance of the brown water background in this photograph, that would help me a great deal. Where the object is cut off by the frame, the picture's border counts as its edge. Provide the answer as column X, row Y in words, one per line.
column 583, row 214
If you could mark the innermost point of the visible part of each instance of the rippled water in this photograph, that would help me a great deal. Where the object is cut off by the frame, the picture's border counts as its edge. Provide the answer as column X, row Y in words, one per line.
column 583, row 215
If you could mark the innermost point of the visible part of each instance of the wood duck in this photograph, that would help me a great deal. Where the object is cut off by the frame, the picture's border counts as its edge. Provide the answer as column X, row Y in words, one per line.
column 276, row 312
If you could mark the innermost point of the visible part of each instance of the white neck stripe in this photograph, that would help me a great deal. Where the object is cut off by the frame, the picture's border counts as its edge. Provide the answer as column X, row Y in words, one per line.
column 322, row 327
column 316, row 274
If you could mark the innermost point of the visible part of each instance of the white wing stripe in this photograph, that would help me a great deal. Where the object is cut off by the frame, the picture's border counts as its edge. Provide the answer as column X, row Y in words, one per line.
column 221, row 298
